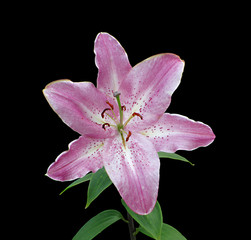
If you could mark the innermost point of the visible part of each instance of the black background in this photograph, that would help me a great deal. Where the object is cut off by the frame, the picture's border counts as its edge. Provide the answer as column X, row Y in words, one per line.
column 52, row 45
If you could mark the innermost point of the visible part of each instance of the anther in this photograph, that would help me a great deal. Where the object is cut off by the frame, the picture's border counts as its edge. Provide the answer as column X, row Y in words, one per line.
column 105, row 124
column 103, row 113
column 123, row 107
column 128, row 136
column 111, row 106
column 137, row 114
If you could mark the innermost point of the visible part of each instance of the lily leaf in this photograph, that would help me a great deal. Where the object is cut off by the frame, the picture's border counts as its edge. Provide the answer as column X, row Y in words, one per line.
column 97, row 224
column 167, row 233
column 173, row 156
column 170, row 233
column 98, row 183
column 80, row 180
column 152, row 222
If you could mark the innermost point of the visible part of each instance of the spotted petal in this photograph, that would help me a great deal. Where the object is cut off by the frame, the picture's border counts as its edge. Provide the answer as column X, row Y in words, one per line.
column 175, row 132
column 112, row 62
column 148, row 87
column 79, row 105
column 83, row 156
column 134, row 170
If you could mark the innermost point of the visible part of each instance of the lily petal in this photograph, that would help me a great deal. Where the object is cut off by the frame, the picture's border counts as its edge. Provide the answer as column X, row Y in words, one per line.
column 148, row 87
column 79, row 105
column 112, row 62
column 176, row 132
column 134, row 170
column 83, row 156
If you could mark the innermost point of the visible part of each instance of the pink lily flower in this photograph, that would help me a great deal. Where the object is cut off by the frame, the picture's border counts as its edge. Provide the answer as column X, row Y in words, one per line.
column 123, row 123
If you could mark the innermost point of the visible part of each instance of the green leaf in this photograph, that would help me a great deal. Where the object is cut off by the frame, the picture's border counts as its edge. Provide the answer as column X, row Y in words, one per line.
column 144, row 231
column 167, row 233
column 99, row 182
column 97, row 224
column 152, row 222
column 80, row 180
column 170, row 233
column 173, row 156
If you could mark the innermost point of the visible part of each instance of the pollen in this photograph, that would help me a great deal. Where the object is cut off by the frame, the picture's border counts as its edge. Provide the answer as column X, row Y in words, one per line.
column 132, row 116
column 128, row 136
column 103, row 113
column 137, row 114
column 105, row 124
column 111, row 106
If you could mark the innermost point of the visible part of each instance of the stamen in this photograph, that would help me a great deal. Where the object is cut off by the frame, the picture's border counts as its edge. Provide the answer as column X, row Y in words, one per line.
column 105, row 124
column 132, row 116
column 137, row 114
column 111, row 106
column 103, row 113
column 128, row 136
column 123, row 107
column 123, row 140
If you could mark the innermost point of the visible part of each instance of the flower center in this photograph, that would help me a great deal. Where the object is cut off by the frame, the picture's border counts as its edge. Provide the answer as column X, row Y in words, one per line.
column 120, row 125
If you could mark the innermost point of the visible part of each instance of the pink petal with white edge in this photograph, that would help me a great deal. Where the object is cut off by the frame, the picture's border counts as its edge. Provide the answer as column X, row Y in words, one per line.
column 112, row 62
column 148, row 87
column 134, row 171
column 79, row 105
column 83, row 156
column 176, row 132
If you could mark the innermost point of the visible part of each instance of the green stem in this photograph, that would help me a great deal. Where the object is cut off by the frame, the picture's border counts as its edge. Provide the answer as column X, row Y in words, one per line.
column 131, row 227
column 120, row 109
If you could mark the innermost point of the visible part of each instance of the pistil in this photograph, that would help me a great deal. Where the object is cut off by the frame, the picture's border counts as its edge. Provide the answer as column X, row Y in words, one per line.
column 116, row 95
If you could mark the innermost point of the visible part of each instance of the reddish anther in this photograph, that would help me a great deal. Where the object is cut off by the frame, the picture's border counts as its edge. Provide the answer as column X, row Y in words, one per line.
column 128, row 136
column 103, row 113
column 137, row 114
column 105, row 124
column 111, row 106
